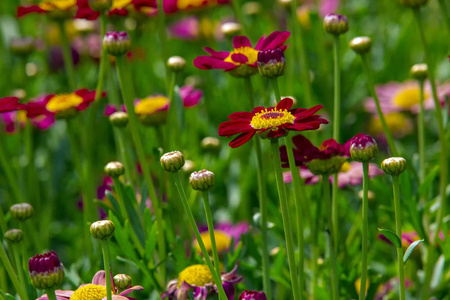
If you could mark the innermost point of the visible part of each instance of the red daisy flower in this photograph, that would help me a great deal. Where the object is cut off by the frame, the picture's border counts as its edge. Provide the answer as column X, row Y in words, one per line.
column 270, row 122
column 119, row 8
column 242, row 61
column 61, row 105
column 172, row 6
column 10, row 104
column 55, row 8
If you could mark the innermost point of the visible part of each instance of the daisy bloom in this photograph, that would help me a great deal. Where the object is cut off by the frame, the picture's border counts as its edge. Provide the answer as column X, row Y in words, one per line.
column 223, row 233
column 242, row 60
column 272, row 122
column 326, row 159
column 58, row 9
column 95, row 290
column 61, row 105
column 397, row 122
column 199, row 280
column 10, row 104
column 118, row 8
column 349, row 174
column 172, row 6
column 405, row 96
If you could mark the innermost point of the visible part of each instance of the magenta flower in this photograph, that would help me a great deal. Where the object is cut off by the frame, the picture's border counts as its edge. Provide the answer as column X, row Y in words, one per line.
column 97, row 287
column 190, row 96
column 252, row 295
column 10, row 104
column 242, row 60
column 120, row 8
column 350, row 174
column 388, row 286
column 405, row 96
column 187, row 29
column 172, row 6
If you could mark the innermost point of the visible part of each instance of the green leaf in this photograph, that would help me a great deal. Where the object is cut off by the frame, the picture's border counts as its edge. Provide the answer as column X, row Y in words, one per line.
column 122, row 237
column 130, row 206
column 410, row 250
column 115, row 204
column 428, row 180
column 391, row 236
column 438, row 272
column 7, row 296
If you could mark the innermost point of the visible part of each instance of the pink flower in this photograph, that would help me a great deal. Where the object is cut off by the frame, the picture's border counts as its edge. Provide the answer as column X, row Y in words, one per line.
column 190, row 96
column 186, row 29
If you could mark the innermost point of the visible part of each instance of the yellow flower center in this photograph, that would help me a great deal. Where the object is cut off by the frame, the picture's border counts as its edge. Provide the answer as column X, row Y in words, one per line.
column 89, row 292
column 198, row 275
column 408, row 96
column 397, row 123
column 271, row 118
column 63, row 102
column 150, row 105
column 57, row 4
column 250, row 53
column 184, row 4
column 222, row 241
column 117, row 4
column 345, row 167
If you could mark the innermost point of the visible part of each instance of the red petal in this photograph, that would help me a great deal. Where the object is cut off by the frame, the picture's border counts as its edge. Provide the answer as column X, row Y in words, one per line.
column 241, row 139
column 241, row 41
column 286, row 103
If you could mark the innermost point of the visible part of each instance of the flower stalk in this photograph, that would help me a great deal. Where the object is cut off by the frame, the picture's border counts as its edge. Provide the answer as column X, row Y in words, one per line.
column 52, row 295
column 103, row 60
column 67, row 56
column 106, row 260
column 365, row 226
column 441, row 130
column 209, row 221
column 184, row 201
column 286, row 219
column 12, row 275
column 134, row 128
column 398, row 231
column 421, row 137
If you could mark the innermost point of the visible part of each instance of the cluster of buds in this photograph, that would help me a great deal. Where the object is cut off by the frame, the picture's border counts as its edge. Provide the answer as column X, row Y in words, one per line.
column 119, row 119
column 361, row 44
column 14, row 236
column 117, row 42
column 271, row 63
column 46, row 271
column 335, row 24
column 122, row 282
column 114, row 169
column 22, row 211
column 394, row 165
column 202, row 180
column 172, row 161
column 176, row 63
column 419, row 71
column 102, row 230
column 363, row 148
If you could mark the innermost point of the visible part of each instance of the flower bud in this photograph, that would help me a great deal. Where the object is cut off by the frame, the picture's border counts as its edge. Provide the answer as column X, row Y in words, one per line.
column 361, row 44
column 100, row 5
column 230, row 29
column 102, row 230
column 172, row 161
column 114, row 169
column 252, row 295
column 211, row 144
column 285, row 3
column 46, row 271
column 202, row 180
column 122, row 281
column 335, row 24
column 363, row 148
column 271, row 63
column 419, row 71
column 394, row 165
column 326, row 166
column 189, row 166
column 22, row 46
column 252, row 8
column 117, row 43
column 22, row 211
column 413, row 3
column 14, row 236
column 119, row 119
column 176, row 63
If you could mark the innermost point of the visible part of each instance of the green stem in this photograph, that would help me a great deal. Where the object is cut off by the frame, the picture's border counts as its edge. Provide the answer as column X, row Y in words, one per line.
column 184, row 202
column 286, row 218
column 249, row 90
column 337, row 89
column 67, row 56
column 398, row 231
column 445, row 15
column 264, row 219
column 299, row 206
column 120, row 197
column 123, row 154
column 2, row 221
column 12, row 181
column 442, row 137
column 299, row 46
column 106, row 260
column 429, row 268
column 334, row 273
column 174, row 127
column 163, row 37
column 51, row 294
column 365, row 226
column 238, row 15
column 134, row 128
column 371, row 86
column 12, row 275
column 315, row 246
column 276, row 89
column 421, row 137
column 335, row 211
column 15, row 252
column 212, row 236
column 103, row 59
